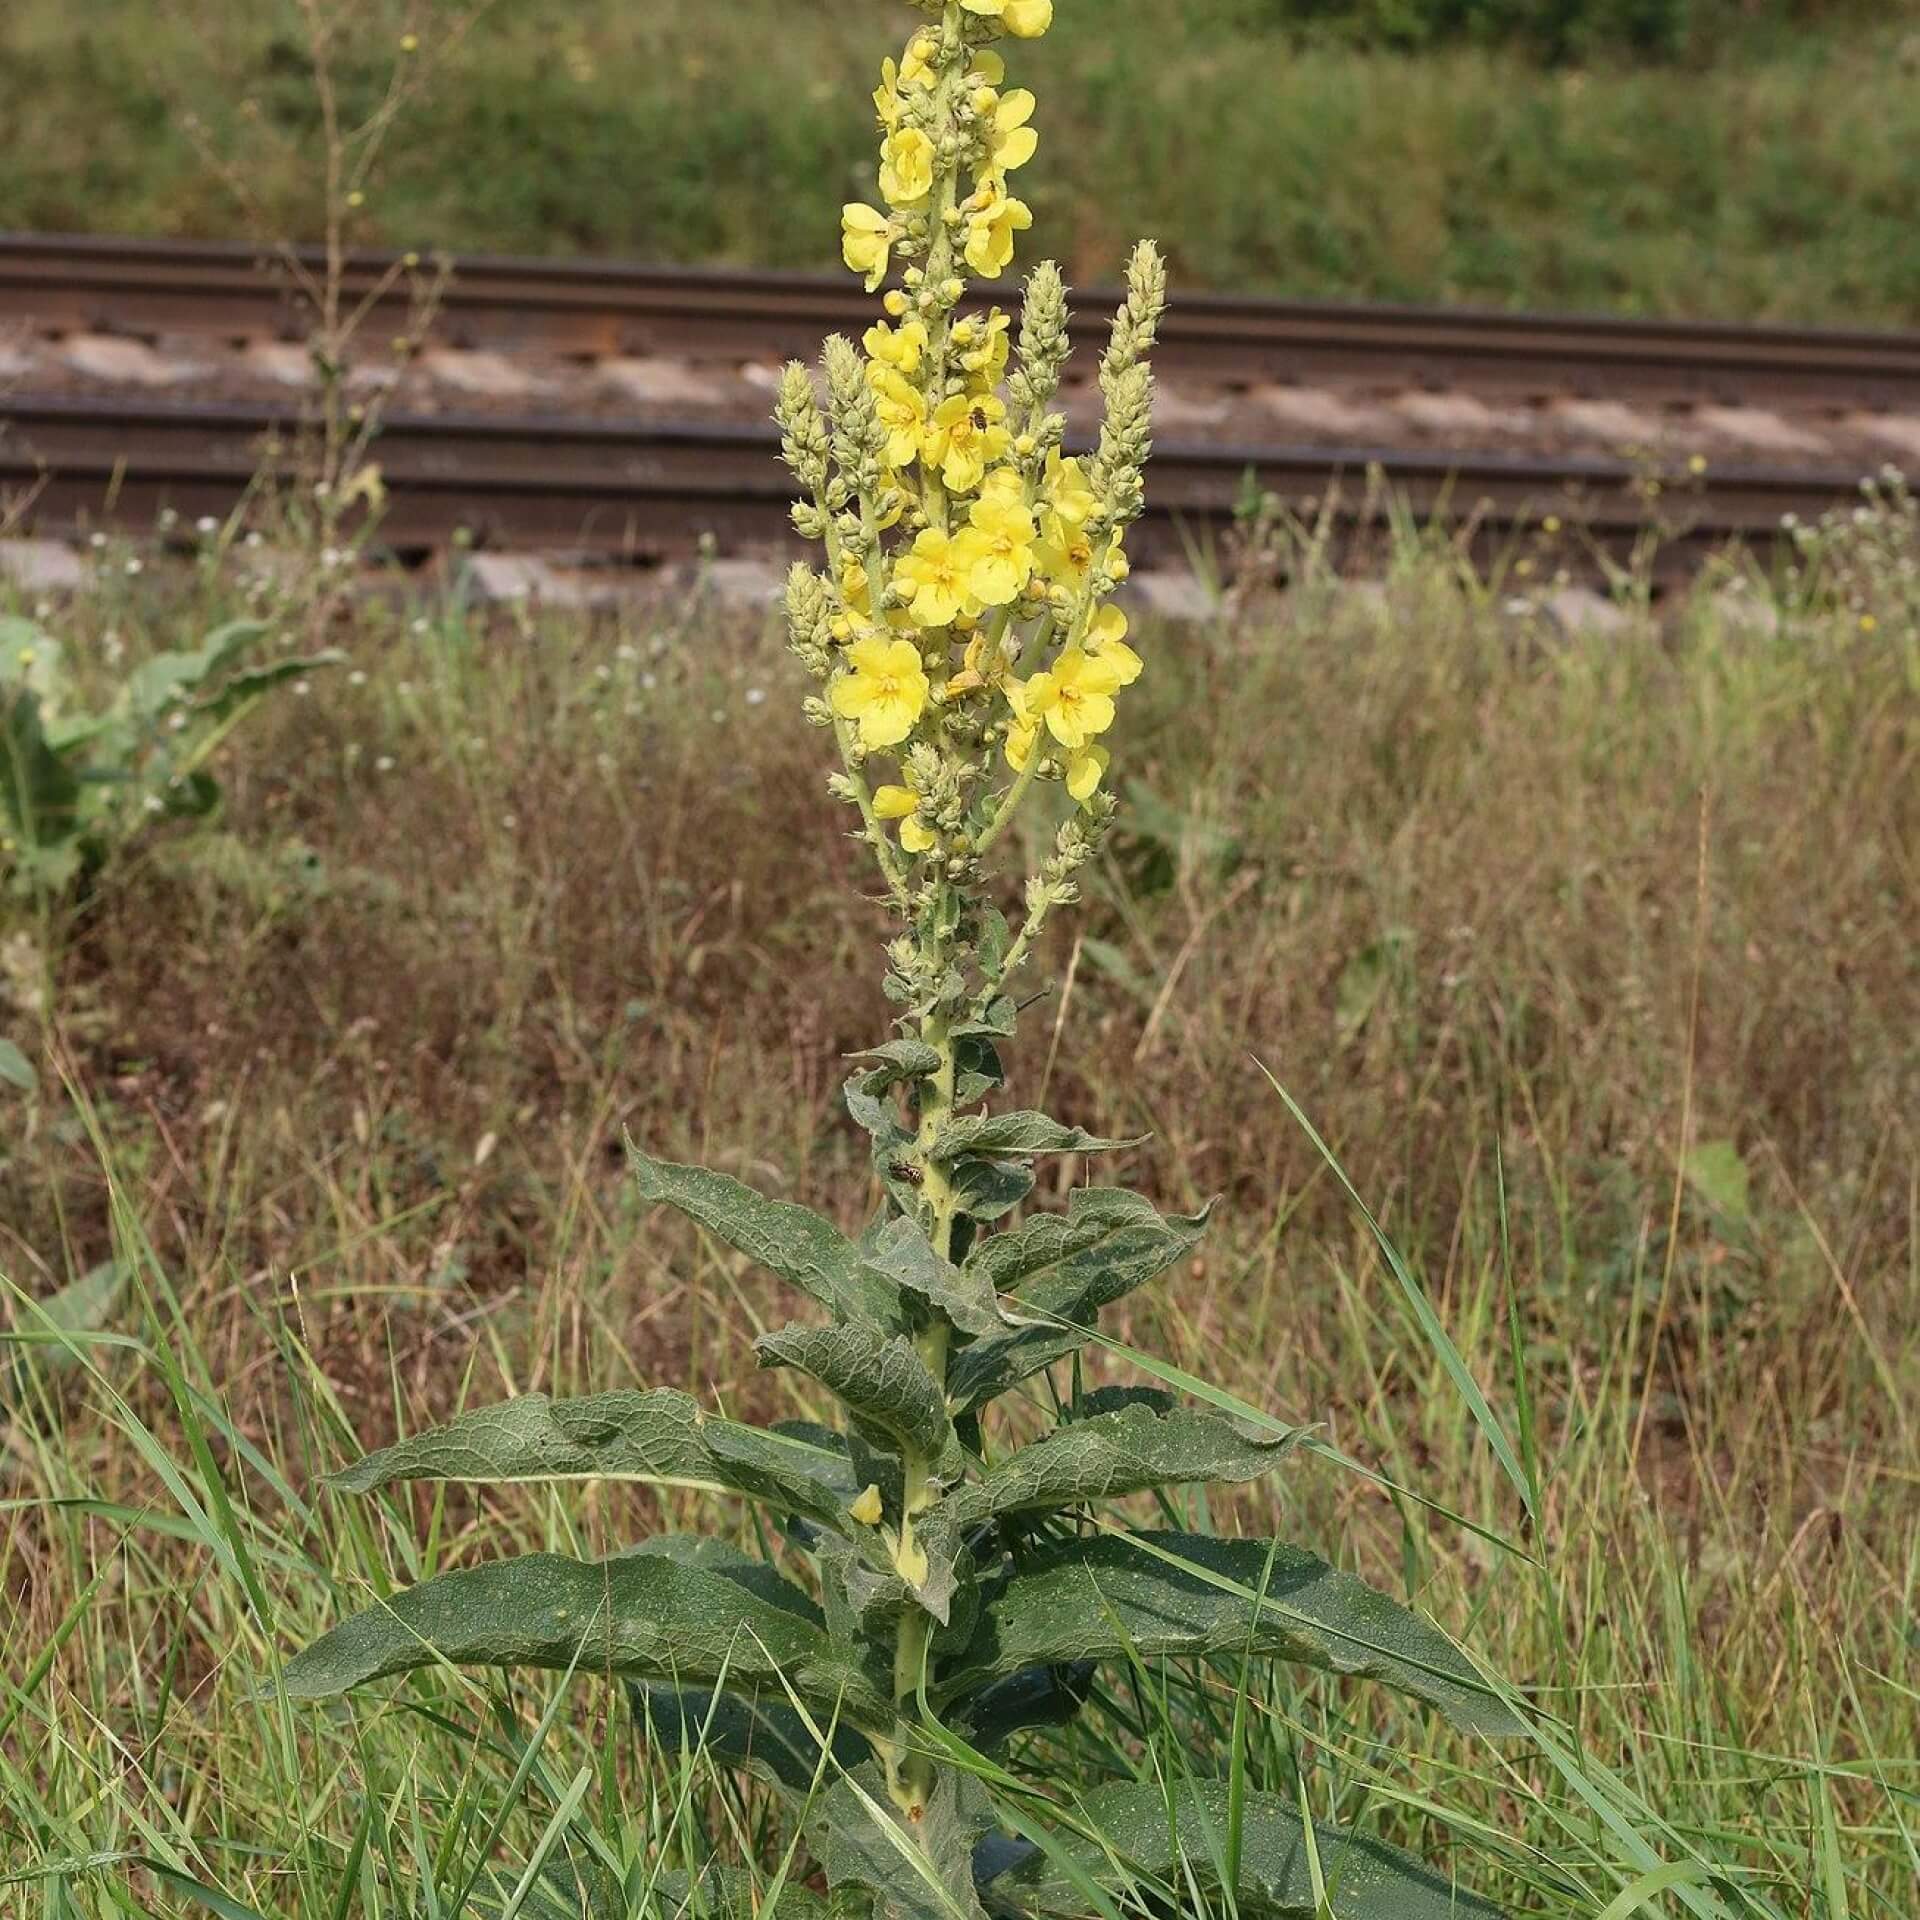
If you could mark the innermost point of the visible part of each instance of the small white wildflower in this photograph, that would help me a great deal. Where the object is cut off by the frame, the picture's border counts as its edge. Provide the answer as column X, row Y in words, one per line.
column 98, row 541
column 510, row 821
column 177, row 723
column 626, row 653
column 649, row 681
column 756, row 696
column 357, row 678
column 302, row 688
column 136, row 566
column 384, row 764
column 168, row 519
column 206, row 525
column 418, row 628
column 43, row 610
column 603, row 674
column 155, row 804
column 256, row 539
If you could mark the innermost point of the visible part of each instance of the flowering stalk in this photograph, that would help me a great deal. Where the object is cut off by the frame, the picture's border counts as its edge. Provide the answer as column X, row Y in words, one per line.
column 961, row 627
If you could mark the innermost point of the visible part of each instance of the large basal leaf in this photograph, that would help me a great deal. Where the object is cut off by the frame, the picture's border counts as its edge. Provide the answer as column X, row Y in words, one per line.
column 1141, row 1446
column 1114, row 1597
column 759, row 1732
column 881, row 1381
column 925, row 1873
column 1065, row 1268
column 1168, row 1842
column 678, row 1612
column 1021, row 1133
column 166, row 679
column 904, row 1254
column 1037, row 1697
column 664, row 1438
column 796, row 1243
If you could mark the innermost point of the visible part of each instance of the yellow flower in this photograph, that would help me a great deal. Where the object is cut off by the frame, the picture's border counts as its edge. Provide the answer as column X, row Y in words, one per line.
column 885, row 693
column 990, row 233
column 1074, row 698
column 1085, row 770
column 906, row 167
column 983, row 346
column 965, row 437
column 856, row 590
column 1024, row 19
column 903, row 411
column 1003, row 562
column 903, row 804
column 901, row 350
column 1107, row 641
column 866, row 242
column 940, row 572
column 1011, row 142
column 1069, row 498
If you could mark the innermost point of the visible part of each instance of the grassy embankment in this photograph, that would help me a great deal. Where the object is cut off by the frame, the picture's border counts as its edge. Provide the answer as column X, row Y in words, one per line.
column 1595, row 964
column 1770, row 173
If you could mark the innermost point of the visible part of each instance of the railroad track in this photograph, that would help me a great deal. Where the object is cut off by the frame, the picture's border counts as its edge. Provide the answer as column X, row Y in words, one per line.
column 597, row 308
column 649, row 489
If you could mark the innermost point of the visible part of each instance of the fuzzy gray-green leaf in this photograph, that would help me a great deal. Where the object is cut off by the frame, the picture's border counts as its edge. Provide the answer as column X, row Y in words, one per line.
column 672, row 1611
column 1154, row 1840
column 1134, row 1450
column 923, row 1875
column 1021, row 1133
column 804, row 1249
column 606, row 1436
column 905, row 1255
column 1065, row 1268
column 663, row 1438
column 1180, row 1596
column 758, row 1731
column 881, row 1381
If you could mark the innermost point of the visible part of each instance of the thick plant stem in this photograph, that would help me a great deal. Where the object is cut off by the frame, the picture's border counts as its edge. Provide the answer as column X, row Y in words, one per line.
column 912, row 1778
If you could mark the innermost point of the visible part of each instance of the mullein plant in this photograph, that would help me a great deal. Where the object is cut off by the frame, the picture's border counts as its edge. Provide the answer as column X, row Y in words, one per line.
column 947, row 1578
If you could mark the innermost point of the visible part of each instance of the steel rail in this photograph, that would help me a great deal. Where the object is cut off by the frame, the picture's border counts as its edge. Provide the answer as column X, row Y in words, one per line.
column 651, row 489
column 59, row 282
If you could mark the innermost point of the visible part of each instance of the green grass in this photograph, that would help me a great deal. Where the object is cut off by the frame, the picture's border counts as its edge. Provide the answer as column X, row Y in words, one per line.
column 1594, row 964
column 1769, row 175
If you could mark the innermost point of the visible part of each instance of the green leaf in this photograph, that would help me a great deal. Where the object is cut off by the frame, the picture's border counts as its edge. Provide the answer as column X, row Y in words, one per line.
column 1022, row 1133
column 16, row 1069
column 1150, row 1839
column 1716, row 1172
column 906, row 1256
column 809, row 1252
column 1034, row 1697
column 1063, row 1268
column 1134, row 1450
column 82, row 1308
column 989, row 1189
column 38, row 793
column 1183, row 1596
column 245, row 688
column 662, row 1438
column 610, row 1436
column 923, row 1874
column 758, row 1732
column 168, row 678
column 881, row 1381
column 677, row 1611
